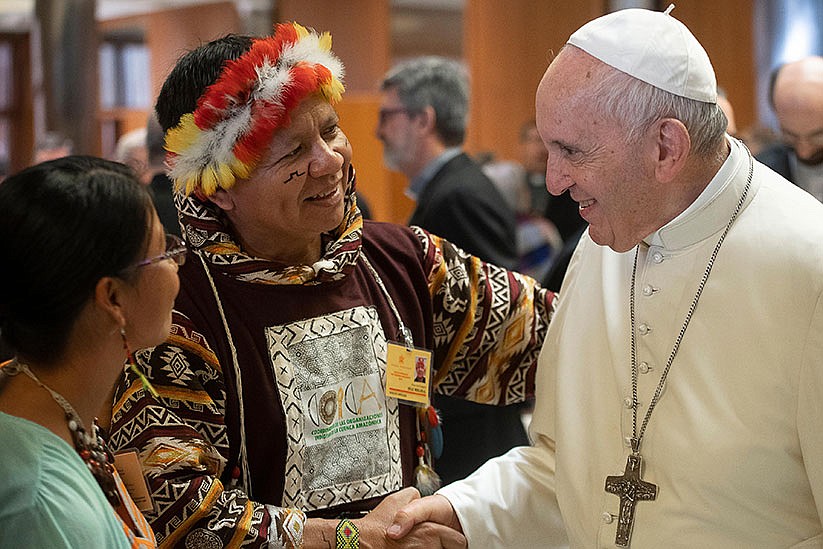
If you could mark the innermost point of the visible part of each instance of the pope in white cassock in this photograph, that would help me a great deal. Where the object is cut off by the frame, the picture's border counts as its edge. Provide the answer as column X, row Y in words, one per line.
column 680, row 387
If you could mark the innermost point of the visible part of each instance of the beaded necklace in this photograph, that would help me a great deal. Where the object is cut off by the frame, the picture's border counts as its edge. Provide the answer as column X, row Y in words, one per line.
column 91, row 447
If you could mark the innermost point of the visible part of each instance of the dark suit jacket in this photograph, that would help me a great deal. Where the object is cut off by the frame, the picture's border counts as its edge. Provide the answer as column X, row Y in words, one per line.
column 777, row 158
column 463, row 206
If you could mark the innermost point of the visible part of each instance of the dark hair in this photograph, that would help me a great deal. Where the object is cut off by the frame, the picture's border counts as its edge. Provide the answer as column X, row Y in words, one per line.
column 193, row 73
column 64, row 225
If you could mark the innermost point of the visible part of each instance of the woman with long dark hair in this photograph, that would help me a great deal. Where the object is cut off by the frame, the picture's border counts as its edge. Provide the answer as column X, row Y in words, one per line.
column 88, row 275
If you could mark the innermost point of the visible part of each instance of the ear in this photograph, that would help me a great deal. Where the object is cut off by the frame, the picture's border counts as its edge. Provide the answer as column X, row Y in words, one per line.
column 673, row 148
column 426, row 119
column 109, row 298
column 222, row 199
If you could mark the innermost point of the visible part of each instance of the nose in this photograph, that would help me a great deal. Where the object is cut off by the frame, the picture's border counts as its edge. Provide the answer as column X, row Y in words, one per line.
column 325, row 160
column 378, row 129
column 557, row 180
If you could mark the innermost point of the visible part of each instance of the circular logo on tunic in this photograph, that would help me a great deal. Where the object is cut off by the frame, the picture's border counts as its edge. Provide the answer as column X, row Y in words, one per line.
column 328, row 406
column 203, row 539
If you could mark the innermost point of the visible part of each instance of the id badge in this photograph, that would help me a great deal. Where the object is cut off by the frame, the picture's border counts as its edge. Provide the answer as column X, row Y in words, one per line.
column 128, row 467
column 408, row 373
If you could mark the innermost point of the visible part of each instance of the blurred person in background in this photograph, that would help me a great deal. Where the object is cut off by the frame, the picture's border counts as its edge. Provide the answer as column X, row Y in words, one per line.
column 422, row 124
column 52, row 145
column 726, row 105
column 796, row 95
column 162, row 188
column 131, row 150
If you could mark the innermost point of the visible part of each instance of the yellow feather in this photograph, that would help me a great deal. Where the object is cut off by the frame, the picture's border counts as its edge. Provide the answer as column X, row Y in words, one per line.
column 240, row 169
column 302, row 32
column 225, row 176
column 183, row 135
column 333, row 91
column 325, row 41
column 208, row 180
column 191, row 184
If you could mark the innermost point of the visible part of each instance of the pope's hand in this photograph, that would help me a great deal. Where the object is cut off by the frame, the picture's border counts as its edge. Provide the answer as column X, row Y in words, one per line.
column 427, row 522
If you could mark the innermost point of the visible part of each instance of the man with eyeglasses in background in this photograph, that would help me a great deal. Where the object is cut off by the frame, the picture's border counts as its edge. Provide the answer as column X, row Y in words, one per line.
column 796, row 95
column 422, row 125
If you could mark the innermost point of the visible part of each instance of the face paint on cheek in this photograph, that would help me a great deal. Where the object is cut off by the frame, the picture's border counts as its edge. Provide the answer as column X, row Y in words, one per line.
column 292, row 175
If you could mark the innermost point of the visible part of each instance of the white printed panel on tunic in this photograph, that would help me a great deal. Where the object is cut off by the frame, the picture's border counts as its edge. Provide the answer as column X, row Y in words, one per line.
column 344, row 434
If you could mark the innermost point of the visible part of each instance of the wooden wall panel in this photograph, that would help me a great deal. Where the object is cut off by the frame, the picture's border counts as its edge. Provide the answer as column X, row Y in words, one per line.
column 360, row 35
column 171, row 33
column 507, row 48
column 726, row 31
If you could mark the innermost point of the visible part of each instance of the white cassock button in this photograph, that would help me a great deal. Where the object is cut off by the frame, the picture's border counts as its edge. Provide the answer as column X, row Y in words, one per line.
column 644, row 367
column 627, row 402
column 627, row 442
column 648, row 290
column 608, row 518
column 657, row 257
column 644, row 329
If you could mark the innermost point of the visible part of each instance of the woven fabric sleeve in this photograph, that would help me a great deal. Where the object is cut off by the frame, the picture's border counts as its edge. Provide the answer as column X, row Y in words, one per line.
column 489, row 325
column 183, row 446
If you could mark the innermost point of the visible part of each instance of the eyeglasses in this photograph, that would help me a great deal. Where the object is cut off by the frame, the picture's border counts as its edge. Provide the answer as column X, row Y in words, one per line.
column 385, row 114
column 175, row 250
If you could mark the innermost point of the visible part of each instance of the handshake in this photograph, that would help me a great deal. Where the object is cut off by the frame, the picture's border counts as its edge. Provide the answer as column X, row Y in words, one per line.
column 404, row 519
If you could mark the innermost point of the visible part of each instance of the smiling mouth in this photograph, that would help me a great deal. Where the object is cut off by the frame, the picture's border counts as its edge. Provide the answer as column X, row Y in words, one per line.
column 325, row 195
column 583, row 204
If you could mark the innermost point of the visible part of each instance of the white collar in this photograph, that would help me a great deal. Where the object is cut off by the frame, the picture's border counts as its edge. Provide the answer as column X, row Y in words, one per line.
column 710, row 211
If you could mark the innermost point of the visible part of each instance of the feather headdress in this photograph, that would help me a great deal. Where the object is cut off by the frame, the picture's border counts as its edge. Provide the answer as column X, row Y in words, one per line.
column 227, row 134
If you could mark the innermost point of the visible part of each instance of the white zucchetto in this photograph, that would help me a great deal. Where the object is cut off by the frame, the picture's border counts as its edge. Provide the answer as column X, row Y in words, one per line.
column 651, row 46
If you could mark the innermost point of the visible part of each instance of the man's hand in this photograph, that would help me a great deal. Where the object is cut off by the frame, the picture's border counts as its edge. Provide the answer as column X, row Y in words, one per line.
column 418, row 531
column 427, row 522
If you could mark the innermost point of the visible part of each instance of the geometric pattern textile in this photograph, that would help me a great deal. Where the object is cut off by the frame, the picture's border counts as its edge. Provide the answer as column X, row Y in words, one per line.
column 344, row 434
column 485, row 327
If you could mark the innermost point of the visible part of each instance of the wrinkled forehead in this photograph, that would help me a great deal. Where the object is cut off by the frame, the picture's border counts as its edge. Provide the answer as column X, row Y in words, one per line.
column 570, row 72
column 312, row 114
column 568, row 80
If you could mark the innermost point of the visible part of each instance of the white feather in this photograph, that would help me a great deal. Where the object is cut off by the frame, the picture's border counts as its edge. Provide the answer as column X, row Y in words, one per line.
column 214, row 146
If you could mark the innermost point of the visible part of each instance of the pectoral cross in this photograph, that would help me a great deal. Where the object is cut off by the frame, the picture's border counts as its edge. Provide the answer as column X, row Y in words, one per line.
column 631, row 489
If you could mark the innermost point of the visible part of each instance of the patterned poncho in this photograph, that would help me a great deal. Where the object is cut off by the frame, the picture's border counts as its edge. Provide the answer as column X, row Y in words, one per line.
column 271, row 400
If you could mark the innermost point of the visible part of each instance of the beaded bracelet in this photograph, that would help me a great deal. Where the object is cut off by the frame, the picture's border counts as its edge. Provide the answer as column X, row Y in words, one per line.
column 348, row 536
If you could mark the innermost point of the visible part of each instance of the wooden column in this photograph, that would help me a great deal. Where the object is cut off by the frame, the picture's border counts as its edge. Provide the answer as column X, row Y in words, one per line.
column 69, row 44
column 726, row 31
column 360, row 34
column 508, row 46
column 22, row 134
column 172, row 33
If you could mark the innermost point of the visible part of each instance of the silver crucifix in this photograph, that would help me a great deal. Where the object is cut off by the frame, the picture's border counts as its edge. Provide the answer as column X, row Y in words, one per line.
column 630, row 488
